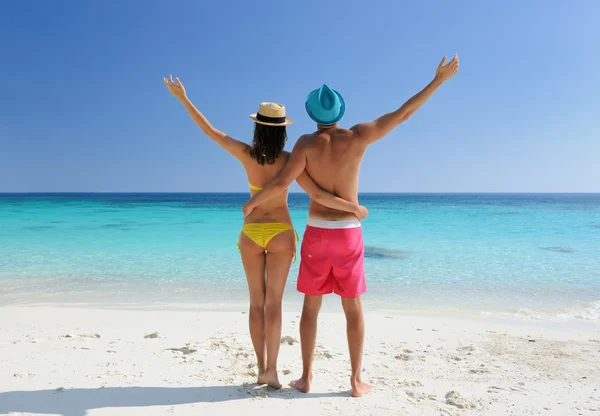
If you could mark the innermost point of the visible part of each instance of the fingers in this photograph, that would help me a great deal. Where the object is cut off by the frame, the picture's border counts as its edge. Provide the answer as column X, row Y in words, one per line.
column 453, row 61
column 171, row 83
column 455, row 64
column 443, row 61
column 452, row 66
column 246, row 210
column 363, row 213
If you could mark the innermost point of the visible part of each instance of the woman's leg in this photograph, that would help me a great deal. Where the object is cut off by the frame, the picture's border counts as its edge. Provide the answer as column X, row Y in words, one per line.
column 253, row 259
column 279, row 259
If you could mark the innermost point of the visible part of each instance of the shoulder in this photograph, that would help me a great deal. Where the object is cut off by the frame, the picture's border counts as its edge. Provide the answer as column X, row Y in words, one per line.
column 362, row 133
column 306, row 138
column 360, row 129
column 304, row 141
column 245, row 152
column 344, row 132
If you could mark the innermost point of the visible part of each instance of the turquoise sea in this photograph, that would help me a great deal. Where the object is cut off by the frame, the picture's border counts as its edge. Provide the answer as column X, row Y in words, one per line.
column 533, row 256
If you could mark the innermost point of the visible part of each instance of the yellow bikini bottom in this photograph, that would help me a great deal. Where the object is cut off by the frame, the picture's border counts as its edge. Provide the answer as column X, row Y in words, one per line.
column 262, row 233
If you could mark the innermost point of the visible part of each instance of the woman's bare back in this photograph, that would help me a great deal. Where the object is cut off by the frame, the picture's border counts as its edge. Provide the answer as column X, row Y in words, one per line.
column 276, row 209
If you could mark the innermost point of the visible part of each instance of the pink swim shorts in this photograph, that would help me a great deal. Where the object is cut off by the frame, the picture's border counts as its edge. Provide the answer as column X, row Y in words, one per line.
column 332, row 259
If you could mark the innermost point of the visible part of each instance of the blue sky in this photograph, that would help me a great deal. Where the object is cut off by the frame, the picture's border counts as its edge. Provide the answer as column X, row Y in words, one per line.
column 83, row 107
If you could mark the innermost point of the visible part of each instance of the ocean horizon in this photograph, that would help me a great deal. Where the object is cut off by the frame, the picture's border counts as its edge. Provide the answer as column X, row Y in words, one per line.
column 526, row 255
column 64, row 193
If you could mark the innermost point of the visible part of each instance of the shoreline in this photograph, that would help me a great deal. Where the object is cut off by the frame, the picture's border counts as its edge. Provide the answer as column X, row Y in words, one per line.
column 578, row 311
column 509, row 322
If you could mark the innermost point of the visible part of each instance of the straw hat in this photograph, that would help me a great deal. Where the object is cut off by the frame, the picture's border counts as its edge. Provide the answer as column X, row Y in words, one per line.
column 271, row 114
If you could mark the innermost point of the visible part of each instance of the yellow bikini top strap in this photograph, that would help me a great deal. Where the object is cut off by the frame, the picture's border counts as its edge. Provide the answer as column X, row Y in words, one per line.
column 258, row 188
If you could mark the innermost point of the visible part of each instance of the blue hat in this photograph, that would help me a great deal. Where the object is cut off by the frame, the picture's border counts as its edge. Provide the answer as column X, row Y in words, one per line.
column 325, row 106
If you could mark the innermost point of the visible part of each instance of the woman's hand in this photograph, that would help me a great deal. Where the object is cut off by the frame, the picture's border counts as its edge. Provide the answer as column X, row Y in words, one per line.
column 175, row 87
column 361, row 212
column 445, row 72
column 247, row 209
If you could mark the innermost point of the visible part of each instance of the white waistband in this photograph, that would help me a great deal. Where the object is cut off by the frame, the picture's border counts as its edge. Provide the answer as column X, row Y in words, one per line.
column 333, row 224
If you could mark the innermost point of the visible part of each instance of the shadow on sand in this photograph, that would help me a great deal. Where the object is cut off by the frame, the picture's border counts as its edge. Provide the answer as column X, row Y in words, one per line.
column 76, row 402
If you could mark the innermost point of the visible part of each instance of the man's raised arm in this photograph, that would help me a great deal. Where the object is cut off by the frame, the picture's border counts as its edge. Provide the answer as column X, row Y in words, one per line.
column 375, row 130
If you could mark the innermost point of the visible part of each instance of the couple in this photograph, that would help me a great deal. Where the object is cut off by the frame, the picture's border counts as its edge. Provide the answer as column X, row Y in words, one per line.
column 326, row 165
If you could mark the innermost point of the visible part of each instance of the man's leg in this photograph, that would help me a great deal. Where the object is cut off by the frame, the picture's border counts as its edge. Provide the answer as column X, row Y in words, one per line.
column 308, row 338
column 355, row 328
column 350, row 284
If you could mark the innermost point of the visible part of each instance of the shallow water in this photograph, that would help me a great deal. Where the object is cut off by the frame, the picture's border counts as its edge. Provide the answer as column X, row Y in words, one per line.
column 529, row 255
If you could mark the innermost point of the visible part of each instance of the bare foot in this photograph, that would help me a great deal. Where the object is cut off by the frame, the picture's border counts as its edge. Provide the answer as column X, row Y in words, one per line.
column 262, row 378
column 302, row 384
column 360, row 389
column 272, row 380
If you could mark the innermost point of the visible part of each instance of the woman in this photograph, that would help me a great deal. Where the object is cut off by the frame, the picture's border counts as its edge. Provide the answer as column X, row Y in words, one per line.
column 268, row 241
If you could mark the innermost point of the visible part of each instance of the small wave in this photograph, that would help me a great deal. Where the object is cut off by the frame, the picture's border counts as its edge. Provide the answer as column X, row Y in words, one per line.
column 124, row 226
column 189, row 222
column 384, row 253
column 591, row 312
column 38, row 227
column 522, row 313
column 595, row 225
column 559, row 249
column 112, row 225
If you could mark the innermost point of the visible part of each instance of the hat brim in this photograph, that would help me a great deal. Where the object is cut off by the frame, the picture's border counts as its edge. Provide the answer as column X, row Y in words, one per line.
column 287, row 121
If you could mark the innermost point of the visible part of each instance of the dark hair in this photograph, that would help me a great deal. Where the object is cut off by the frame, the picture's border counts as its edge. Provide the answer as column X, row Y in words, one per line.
column 267, row 143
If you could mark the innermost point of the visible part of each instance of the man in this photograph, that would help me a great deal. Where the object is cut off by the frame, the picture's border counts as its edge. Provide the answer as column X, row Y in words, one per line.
column 332, row 253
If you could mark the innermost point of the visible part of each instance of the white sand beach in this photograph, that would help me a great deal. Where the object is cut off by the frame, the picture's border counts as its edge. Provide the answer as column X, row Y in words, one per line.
column 77, row 361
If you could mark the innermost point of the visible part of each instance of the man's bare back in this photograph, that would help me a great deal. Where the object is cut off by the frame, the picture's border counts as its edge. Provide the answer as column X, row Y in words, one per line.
column 333, row 158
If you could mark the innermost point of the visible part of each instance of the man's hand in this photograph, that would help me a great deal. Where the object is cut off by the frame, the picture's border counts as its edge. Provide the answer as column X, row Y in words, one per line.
column 175, row 87
column 247, row 209
column 377, row 129
column 361, row 212
column 445, row 72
